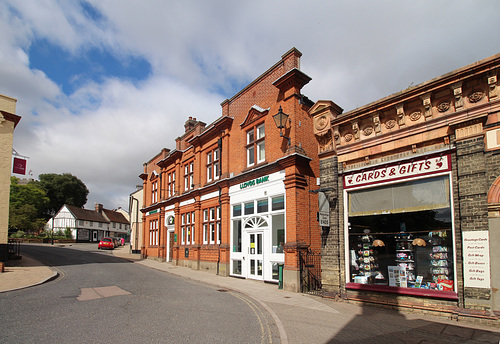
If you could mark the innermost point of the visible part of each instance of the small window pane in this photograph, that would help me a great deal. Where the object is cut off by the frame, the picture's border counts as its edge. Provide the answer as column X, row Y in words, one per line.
column 261, row 132
column 249, row 208
column 237, row 267
column 278, row 203
column 237, row 236
column 237, row 210
column 262, row 205
column 250, row 154
column 261, row 149
column 250, row 137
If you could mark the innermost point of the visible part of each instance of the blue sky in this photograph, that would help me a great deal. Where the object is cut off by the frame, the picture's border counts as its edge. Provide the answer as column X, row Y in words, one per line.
column 70, row 71
column 91, row 77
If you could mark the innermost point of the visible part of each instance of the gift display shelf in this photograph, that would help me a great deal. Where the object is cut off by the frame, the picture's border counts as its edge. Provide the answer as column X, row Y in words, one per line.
column 404, row 255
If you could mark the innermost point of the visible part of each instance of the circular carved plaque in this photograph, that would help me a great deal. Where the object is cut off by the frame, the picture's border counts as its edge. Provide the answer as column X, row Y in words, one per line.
column 475, row 96
column 391, row 123
column 367, row 131
column 348, row 137
column 415, row 116
column 321, row 122
column 443, row 106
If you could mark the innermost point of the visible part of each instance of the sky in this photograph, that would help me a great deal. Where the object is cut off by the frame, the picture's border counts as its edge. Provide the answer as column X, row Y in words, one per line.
column 103, row 85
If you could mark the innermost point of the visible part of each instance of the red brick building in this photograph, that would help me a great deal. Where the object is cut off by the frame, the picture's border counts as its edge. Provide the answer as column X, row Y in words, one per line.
column 235, row 197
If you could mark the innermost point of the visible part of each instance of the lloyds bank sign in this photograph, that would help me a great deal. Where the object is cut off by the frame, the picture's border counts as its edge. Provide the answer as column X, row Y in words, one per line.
column 254, row 182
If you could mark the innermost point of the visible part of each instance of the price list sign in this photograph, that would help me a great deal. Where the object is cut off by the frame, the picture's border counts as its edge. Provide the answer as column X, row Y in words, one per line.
column 476, row 259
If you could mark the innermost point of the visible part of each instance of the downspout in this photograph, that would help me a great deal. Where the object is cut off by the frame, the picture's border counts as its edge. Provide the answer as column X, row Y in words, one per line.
column 219, row 144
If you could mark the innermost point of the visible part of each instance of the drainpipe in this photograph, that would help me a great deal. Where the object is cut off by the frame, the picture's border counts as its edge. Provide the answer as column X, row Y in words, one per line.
column 219, row 144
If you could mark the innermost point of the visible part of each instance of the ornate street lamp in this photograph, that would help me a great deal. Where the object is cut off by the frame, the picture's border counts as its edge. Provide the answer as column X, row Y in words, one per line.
column 280, row 120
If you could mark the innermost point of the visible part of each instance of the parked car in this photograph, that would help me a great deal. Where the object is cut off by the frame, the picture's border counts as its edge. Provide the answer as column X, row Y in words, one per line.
column 106, row 243
column 115, row 241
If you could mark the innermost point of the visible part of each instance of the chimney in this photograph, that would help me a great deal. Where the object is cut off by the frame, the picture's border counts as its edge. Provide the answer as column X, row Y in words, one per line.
column 98, row 208
column 190, row 124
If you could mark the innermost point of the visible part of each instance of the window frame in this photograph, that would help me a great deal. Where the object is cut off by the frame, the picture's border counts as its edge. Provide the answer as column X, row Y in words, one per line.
column 256, row 145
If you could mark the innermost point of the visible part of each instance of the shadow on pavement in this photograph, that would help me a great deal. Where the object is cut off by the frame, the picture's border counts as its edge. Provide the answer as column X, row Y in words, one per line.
column 376, row 325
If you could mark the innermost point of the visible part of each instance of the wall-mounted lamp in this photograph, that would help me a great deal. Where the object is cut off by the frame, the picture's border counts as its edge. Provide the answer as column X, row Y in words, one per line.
column 280, row 119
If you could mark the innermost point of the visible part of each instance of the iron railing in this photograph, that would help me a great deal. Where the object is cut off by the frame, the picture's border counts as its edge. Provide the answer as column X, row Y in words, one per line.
column 310, row 272
column 14, row 248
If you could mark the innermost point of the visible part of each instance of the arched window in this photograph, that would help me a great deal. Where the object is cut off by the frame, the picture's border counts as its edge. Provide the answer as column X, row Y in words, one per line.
column 256, row 222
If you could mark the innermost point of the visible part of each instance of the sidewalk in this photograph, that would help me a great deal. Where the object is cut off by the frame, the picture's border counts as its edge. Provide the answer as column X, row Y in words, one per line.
column 302, row 318
column 24, row 273
column 299, row 318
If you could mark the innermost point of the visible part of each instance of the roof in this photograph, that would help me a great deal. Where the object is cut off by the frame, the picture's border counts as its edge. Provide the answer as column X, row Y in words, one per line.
column 115, row 216
column 85, row 214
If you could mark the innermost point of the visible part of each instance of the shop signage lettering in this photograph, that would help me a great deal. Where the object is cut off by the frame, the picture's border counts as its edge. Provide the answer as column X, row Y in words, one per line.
column 403, row 170
column 476, row 259
column 254, row 182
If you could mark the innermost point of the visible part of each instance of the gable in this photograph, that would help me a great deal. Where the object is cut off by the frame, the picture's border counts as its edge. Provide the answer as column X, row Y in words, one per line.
column 255, row 113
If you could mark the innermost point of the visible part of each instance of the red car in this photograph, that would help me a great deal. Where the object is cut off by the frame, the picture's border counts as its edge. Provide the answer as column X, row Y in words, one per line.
column 106, row 243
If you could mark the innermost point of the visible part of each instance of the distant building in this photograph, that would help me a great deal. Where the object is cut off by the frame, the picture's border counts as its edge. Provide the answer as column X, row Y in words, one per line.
column 8, row 122
column 135, row 206
column 90, row 225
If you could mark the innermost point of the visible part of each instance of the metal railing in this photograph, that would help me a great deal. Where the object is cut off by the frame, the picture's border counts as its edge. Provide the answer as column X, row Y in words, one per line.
column 310, row 272
column 14, row 248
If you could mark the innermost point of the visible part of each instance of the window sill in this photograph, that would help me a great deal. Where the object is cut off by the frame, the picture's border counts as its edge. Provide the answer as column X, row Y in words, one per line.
column 438, row 294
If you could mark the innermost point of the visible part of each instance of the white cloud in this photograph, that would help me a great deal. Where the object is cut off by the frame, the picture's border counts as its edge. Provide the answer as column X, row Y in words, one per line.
column 355, row 51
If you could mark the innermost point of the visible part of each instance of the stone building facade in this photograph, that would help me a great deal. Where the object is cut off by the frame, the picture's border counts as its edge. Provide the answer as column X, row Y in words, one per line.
column 233, row 196
column 8, row 122
column 413, row 185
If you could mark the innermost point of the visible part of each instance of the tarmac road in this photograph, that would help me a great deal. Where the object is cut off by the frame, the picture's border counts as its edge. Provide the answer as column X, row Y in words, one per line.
column 100, row 298
column 294, row 317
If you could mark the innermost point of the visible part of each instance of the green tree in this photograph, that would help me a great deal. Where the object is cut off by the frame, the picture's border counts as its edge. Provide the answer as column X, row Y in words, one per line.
column 63, row 189
column 27, row 206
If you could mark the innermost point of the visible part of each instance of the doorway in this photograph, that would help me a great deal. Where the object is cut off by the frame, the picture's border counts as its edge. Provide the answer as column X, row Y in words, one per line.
column 255, row 255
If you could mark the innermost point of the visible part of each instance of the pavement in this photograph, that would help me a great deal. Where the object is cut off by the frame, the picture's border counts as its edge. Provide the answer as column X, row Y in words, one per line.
column 299, row 318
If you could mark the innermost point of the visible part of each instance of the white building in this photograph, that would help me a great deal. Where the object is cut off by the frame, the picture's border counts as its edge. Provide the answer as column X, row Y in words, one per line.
column 89, row 225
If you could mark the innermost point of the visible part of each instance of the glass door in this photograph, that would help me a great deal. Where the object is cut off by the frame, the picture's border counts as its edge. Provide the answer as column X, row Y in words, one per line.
column 255, row 256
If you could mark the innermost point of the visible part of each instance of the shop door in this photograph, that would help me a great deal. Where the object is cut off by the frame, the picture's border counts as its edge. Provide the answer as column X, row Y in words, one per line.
column 170, row 245
column 255, row 256
column 94, row 236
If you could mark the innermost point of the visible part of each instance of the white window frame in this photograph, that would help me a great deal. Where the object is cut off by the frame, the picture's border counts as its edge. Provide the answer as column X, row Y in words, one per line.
column 261, row 142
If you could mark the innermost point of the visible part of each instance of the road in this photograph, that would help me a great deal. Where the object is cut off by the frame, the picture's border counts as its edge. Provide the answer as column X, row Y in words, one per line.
column 99, row 298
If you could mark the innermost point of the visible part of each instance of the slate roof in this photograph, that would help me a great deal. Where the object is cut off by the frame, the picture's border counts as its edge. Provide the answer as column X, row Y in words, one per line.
column 85, row 214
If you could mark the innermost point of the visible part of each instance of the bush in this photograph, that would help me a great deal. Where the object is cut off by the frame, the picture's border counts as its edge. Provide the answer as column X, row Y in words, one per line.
column 68, row 234
column 18, row 234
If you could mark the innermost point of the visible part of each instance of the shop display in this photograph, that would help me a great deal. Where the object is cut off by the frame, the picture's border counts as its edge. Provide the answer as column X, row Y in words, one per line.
column 404, row 254
column 440, row 262
column 364, row 260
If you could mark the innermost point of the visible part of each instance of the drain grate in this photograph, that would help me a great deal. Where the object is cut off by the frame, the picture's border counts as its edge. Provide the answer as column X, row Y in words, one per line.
column 223, row 290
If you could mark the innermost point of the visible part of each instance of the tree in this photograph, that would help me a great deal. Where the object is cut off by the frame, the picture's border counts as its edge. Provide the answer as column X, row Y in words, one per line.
column 27, row 206
column 63, row 189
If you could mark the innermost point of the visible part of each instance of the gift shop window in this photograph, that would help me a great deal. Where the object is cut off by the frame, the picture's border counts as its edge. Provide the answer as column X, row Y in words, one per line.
column 213, row 165
column 401, row 235
column 256, row 145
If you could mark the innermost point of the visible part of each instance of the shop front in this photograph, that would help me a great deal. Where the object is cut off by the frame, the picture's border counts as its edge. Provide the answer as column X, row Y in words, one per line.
column 258, row 227
column 399, row 228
